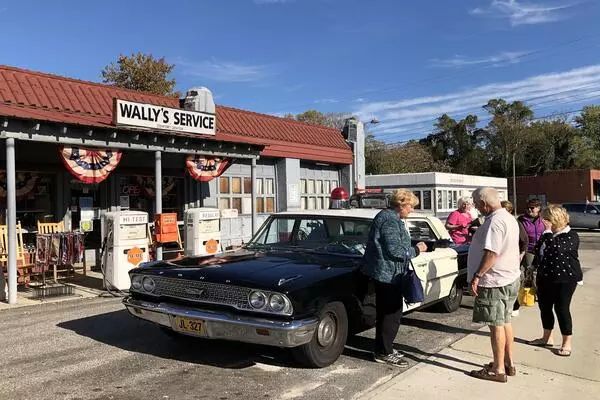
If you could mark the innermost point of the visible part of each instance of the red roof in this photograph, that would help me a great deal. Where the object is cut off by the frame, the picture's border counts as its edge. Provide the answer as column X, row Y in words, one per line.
column 44, row 97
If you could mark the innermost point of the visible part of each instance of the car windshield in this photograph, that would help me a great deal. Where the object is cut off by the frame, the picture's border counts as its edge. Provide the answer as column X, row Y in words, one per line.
column 346, row 236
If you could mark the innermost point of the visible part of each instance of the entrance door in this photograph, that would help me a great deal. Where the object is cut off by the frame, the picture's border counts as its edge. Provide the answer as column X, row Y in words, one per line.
column 84, row 205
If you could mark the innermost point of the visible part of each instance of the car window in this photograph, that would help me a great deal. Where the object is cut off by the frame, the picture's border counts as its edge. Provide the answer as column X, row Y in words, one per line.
column 574, row 208
column 592, row 207
column 420, row 231
column 280, row 231
column 312, row 230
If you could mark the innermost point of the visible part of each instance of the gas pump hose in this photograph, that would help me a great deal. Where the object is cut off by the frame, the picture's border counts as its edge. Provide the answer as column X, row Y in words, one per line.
column 107, row 283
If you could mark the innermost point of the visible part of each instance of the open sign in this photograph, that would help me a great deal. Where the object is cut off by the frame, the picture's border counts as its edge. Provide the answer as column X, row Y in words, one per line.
column 131, row 190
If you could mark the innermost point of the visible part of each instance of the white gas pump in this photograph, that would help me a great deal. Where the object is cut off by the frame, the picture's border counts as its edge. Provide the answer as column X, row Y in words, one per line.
column 126, row 245
column 202, row 231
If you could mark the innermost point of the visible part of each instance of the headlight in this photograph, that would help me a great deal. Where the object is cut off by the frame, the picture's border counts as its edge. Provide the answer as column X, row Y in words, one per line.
column 148, row 284
column 136, row 282
column 257, row 300
column 277, row 302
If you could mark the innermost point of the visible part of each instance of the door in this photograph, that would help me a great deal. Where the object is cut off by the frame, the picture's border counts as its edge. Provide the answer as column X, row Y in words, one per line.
column 437, row 271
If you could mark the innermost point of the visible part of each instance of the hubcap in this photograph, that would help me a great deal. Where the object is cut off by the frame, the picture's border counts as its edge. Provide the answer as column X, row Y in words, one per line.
column 326, row 330
column 453, row 293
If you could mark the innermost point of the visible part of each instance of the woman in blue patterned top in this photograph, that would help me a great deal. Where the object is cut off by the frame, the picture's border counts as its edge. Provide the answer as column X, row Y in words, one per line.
column 387, row 257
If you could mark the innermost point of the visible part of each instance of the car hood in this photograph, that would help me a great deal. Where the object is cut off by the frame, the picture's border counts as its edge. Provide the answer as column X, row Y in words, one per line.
column 274, row 270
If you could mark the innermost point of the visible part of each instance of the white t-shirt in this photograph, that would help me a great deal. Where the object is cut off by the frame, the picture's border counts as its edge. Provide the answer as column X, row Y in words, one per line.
column 499, row 234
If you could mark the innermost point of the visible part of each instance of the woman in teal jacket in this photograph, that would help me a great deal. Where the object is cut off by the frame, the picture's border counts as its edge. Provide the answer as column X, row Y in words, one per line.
column 387, row 257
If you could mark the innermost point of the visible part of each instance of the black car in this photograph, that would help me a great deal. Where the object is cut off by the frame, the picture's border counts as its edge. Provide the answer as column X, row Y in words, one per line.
column 296, row 284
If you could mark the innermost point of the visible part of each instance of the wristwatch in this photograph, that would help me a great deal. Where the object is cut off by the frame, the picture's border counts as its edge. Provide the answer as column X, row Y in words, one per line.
column 478, row 275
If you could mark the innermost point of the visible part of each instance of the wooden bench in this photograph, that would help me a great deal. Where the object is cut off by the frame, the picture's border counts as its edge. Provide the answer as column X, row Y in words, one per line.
column 24, row 266
column 50, row 227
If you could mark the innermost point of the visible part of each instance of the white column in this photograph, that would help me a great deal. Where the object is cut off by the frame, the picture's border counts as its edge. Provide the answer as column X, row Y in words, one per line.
column 158, row 194
column 11, row 220
column 253, row 179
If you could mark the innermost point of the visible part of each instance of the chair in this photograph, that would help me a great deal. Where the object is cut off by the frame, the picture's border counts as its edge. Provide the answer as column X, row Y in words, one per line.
column 24, row 267
column 50, row 227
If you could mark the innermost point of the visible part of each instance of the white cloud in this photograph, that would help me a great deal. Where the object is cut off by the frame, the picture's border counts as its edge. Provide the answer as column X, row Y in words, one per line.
column 498, row 60
column 226, row 71
column 563, row 89
column 525, row 13
column 327, row 101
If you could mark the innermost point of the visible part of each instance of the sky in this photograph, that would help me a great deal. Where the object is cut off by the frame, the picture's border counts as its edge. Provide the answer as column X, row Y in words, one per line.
column 403, row 63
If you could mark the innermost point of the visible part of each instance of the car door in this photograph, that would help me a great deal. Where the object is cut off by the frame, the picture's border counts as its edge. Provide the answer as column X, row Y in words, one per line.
column 592, row 216
column 576, row 214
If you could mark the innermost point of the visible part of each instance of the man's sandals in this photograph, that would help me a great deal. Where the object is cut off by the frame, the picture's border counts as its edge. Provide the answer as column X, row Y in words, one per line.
column 488, row 375
column 510, row 371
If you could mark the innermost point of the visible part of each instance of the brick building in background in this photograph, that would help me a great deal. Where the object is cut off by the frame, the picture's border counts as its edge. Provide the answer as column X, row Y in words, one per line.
column 557, row 187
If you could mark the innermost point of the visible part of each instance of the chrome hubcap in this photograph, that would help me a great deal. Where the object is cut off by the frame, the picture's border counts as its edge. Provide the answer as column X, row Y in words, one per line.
column 326, row 330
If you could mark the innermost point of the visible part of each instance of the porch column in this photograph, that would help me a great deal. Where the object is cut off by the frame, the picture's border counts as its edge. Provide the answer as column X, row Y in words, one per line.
column 158, row 194
column 11, row 220
column 253, row 179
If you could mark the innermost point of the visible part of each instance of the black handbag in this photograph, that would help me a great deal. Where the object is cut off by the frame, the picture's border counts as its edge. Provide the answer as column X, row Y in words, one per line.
column 412, row 289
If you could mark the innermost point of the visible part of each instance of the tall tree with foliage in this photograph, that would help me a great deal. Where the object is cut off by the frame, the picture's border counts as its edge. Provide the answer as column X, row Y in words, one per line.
column 587, row 143
column 549, row 147
column 141, row 72
column 331, row 119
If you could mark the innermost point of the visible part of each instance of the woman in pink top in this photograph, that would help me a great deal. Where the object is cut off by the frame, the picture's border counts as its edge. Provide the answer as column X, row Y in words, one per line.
column 458, row 221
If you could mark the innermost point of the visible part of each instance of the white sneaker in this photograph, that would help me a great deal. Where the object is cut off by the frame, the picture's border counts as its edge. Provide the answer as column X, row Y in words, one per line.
column 515, row 313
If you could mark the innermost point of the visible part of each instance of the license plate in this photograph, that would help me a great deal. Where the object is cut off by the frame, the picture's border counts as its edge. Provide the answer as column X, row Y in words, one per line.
column 189, row 325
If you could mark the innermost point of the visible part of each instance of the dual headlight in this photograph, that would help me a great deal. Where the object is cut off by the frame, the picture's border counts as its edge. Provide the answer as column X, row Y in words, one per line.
column 270, row 302
column 142, row 283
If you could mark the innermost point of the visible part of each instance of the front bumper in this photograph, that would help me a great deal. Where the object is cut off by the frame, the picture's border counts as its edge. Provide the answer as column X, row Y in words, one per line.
column 220, row 325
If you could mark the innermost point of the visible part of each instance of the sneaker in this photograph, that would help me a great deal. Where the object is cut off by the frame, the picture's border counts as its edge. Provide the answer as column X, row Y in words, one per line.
column 397, row 353
column 515, row 313
column 391, row 359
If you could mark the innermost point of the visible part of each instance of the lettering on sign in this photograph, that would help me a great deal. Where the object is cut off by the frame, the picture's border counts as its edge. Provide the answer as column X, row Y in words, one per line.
column 131, row 190
column 165, row 118
column 134, row 219
column 135, row 256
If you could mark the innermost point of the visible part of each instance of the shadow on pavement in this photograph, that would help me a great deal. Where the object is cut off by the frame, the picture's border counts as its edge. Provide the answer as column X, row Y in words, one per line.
column 120, row 330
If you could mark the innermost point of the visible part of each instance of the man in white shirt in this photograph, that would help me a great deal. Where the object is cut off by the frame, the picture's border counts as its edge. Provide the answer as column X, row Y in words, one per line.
column 494, row 272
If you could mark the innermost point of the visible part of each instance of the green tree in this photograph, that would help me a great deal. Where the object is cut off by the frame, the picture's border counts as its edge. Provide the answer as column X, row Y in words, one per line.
column 549, row 147
column 587, row 143
column 141, row 72
column 331, row 119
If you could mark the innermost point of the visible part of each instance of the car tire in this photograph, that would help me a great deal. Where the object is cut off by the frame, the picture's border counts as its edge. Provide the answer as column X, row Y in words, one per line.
column 452, row 302
column 328, row 340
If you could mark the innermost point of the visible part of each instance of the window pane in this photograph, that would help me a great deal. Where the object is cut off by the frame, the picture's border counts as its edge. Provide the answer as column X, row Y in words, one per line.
column 303, row 203
column 223, row 203
column 319, row 203
column 237, row 204
column 236, row 185
column 311, row 203
column 247, row 185
column 270, row 204
column 334, row 184
column 319, row 187
column 269, row 186
column 418, row 194
column 327, row 187
column 311, row 186
column 260, row 207
column 440, row 199
column 302, row 186
column 224, row 185
column 259, row 186
column 246, row 205
column 427, row 200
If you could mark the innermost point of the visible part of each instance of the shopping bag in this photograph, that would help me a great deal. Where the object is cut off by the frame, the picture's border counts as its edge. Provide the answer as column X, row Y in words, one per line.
column 412, row 289
column 526, row 296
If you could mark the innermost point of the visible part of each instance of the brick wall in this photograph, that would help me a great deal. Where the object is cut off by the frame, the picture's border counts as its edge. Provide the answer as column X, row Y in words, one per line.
column 557, row 186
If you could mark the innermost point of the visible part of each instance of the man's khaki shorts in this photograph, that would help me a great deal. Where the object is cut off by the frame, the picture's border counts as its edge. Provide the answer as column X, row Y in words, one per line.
column 494, row 306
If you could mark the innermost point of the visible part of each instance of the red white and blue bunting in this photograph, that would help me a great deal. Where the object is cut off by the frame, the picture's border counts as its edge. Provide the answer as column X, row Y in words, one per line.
column 90, row 165
column 25, row 183
column 206, row 168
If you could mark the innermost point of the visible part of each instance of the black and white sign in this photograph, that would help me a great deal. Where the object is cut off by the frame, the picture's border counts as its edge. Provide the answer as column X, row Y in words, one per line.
column 164, row 118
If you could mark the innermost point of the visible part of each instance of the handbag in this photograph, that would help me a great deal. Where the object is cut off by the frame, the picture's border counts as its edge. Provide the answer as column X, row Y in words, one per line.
column 412, row 289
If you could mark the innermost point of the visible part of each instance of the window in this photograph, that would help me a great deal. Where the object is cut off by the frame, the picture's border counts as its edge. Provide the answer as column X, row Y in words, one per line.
column 419, row 197
column 427, row 205
column 447, row 199
column 315, row 193
column 420, row 231
column 236, row 192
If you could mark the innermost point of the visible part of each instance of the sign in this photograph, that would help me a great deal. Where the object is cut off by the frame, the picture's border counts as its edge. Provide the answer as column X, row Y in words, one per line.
column 164, row 118
column 131, row 190
column 212, row 246
column 86, row 226
column 124, row 202
column 134, row 219
column 135, row 256
column 293, row 193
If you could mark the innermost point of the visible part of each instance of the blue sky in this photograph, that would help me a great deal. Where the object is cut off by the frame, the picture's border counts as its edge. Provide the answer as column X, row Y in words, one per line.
column 402, row 62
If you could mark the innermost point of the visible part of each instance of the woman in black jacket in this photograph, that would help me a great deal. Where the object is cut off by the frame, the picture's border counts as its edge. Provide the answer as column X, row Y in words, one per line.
column 558, row 272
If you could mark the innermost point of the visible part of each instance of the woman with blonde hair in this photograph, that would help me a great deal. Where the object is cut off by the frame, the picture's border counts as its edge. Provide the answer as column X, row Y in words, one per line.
column 558, row 272
column 386, row 259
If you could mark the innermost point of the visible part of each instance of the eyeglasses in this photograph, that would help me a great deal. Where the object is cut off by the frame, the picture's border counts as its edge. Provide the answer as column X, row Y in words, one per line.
column 532, row 208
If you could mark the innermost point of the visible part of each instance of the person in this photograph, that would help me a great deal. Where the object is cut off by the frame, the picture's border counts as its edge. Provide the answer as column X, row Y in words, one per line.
column 493, row 270
column 459, row 221
column 523, row 243
column 558, row 272
column 534, row 227
column 387, row 256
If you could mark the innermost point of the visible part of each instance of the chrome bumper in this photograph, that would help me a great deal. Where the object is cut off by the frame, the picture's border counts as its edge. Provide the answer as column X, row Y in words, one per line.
column 219, row 325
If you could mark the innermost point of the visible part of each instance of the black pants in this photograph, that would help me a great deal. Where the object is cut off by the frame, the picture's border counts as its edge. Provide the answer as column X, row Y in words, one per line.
column 388, row 303
column 557, row 296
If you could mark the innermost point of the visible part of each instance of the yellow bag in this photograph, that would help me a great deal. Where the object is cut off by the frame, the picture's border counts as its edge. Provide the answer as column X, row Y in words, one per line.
column 527, row 296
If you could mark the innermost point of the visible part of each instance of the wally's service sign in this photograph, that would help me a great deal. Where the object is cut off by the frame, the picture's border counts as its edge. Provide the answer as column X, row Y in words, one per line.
column 164, row 118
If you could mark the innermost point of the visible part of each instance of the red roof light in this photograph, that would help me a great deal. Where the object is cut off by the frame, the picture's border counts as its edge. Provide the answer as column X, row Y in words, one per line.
column 339, row 193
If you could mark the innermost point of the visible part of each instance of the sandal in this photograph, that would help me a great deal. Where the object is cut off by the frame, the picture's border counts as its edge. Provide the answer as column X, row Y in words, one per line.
column 510, row 371
column 563, row 352
column 540, row 343
column 487, row 375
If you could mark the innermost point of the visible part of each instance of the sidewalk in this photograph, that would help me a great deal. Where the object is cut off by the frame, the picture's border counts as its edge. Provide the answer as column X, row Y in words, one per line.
column 540, row 373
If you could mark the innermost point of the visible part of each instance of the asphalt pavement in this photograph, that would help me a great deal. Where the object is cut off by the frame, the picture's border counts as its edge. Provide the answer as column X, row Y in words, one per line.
column 93, row 349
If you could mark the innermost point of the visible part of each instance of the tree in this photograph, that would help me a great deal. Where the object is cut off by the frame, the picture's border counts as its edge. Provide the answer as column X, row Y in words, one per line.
column 549, row 147
column 312, row 117
column 333, row 119
column 587, row 143
column 141, row 72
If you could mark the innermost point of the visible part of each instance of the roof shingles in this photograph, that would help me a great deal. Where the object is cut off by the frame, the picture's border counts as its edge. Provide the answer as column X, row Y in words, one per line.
column 34, row 95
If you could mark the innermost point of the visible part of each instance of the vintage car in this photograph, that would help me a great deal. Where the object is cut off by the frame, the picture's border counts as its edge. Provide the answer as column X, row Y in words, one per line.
column 296, row 284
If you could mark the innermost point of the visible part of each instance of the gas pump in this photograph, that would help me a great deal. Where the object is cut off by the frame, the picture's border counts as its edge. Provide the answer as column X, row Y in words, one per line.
column 126, row 245
column 202, row 231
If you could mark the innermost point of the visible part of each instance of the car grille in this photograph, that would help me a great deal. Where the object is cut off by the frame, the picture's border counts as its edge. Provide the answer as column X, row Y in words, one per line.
column 203, row 292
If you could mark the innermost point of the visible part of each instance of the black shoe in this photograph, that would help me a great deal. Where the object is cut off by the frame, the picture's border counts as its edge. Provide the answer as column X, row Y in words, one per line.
column 391, row 359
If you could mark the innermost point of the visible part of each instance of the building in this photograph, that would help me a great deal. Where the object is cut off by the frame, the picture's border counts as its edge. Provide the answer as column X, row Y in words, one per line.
column 577, row 185
column 438, row 192
column 75, row 149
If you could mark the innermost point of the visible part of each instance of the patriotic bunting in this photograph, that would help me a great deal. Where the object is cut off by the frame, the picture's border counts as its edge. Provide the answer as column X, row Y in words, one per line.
column 206, row 168
column 88, row 165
